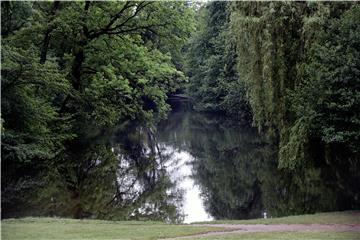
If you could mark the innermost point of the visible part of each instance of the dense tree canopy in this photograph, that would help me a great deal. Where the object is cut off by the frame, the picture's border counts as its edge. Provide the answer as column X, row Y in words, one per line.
column 213, row 80
column 71, row 72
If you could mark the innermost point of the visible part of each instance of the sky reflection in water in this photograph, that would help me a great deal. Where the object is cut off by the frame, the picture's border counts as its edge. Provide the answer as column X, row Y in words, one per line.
column 181, row 170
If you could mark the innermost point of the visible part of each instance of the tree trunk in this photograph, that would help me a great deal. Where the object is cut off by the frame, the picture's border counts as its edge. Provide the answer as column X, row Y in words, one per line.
column 76, row 69
column 47, row 37
column 79, row 54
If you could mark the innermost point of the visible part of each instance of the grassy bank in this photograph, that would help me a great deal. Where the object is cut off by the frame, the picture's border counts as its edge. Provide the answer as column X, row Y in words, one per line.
column 346, row 217
column 66, row 229
column 52, row 228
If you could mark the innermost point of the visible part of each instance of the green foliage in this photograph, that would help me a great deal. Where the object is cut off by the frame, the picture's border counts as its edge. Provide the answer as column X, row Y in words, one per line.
column 287, row 75
column 268, row 42
column 337, row 81
column 71, row 72
column 32, row 129
column 214, row 83
column 328, row 99
column 26, row 101
column 299, row 62
column 14, row 16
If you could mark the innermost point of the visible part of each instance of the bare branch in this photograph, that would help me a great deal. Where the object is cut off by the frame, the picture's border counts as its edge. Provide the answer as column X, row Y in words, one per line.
column 135, row 29
column 119, row 14
column 110, row 29
column 138, row 9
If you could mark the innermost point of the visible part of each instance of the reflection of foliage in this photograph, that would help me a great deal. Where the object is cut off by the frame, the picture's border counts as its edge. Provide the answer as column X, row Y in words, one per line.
column 143, row 180
column 225, row 170
column 237, row 170
column 288, row 193
column 122, row 179
column 226, row 160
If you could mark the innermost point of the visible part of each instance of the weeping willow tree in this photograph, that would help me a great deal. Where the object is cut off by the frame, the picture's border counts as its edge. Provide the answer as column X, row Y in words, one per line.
column 298, row 61
column 269, row 45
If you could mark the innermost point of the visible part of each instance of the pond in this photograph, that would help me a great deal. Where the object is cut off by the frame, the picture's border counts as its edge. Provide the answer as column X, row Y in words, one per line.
column 230, row 171
column 190, row 167
column 209, row 152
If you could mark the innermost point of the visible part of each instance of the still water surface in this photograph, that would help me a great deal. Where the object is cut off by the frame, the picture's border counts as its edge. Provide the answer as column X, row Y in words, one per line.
column 229, row 171
column 182, row 171
column 206, row 153
column 203, row 166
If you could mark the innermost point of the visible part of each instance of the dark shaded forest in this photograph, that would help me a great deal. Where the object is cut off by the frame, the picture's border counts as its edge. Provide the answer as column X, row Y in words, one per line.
column 84, row 86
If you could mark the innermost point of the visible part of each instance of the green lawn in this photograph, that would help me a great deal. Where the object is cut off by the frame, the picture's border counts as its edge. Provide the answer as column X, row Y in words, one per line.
column 346, row 217
column 66, row 229
column 285, row 236
column 52, row 228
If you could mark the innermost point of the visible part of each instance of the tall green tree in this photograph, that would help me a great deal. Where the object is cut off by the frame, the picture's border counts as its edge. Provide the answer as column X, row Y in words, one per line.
column 213, row 80
column 326, row 101
column 33, row 131
column 300, row 92
column 71, row 72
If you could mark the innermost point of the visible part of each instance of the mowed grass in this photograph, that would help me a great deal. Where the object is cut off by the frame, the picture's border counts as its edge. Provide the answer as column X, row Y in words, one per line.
column 71, row 229
column 53, row 228
column 346, row 217
column 285, row 236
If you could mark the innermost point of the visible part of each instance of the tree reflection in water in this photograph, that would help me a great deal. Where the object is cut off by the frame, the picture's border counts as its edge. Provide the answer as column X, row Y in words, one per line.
column 237, row 171
column 129, row 173
column 122, row 175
